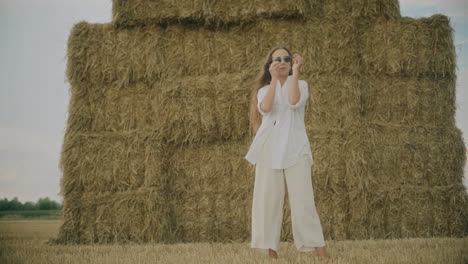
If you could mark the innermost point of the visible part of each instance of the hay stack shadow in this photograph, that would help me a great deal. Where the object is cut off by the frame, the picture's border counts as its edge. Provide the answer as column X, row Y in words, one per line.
column 158, row 120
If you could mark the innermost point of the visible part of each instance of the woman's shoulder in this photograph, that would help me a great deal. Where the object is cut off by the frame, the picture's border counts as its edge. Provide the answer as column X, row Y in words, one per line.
column 262, row 90
column 264, row 87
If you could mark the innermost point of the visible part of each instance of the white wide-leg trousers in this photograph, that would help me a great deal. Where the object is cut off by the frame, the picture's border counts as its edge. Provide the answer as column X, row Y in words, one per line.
column 268, row 201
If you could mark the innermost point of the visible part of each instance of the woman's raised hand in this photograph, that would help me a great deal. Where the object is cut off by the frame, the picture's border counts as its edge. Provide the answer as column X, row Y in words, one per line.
column 297, row 63
column 274, row 69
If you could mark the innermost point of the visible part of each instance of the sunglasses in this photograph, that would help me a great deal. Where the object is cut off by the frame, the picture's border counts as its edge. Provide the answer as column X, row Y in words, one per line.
column 286, row 59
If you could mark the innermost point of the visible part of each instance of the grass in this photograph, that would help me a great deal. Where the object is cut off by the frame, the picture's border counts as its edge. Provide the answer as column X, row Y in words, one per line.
column 24, row 241
column 32, row 214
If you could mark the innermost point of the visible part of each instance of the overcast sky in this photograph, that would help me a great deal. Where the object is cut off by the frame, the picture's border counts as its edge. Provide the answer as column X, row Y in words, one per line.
column 34, row 93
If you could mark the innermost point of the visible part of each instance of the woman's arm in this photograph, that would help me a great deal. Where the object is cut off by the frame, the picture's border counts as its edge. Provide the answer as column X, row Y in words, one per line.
column 294, row 94
column 269, row 98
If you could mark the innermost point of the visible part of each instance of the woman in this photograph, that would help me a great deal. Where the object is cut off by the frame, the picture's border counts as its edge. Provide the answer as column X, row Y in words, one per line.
column 281, row 151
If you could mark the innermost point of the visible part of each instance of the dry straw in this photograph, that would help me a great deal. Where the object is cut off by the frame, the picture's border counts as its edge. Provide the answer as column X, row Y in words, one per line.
column 158, row 120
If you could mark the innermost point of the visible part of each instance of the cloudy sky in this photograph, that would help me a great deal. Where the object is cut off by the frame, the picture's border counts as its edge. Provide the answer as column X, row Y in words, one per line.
column 34, row 93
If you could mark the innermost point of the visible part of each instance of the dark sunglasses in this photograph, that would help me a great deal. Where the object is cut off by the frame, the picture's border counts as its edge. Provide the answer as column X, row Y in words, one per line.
column 286, row 59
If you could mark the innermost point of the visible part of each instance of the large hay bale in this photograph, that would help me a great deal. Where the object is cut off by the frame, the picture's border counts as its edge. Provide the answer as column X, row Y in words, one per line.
column 410, row 47
column 158, row 120
column 209, row 193
column 216, row 14
column 128, row 216
column 395, row 183
column 409, row 101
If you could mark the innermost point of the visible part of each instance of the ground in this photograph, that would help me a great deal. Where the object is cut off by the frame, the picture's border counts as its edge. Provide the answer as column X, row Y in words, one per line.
column 24, row 241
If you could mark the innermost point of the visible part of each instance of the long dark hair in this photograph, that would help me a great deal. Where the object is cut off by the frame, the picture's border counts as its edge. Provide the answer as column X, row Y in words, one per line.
column 264, row 78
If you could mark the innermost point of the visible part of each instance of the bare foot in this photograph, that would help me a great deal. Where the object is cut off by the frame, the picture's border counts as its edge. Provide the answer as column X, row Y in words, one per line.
column 322, row 252
column 272, row 253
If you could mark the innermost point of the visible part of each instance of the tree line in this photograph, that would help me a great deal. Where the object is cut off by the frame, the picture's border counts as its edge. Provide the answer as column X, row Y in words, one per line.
column 41, row 204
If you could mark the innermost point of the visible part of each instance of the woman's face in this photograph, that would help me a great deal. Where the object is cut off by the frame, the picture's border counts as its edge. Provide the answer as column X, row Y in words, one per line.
column 284, row 67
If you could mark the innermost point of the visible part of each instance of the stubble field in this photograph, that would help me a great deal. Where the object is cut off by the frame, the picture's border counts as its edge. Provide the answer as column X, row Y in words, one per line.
column 24, row 241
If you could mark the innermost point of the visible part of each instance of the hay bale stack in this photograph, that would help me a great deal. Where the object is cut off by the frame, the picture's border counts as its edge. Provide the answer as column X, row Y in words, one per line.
column 158, row 120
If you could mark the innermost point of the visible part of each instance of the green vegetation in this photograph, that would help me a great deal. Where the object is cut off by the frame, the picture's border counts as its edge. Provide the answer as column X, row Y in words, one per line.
column 41, row 204
column 44, row 208
column 33, row 214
